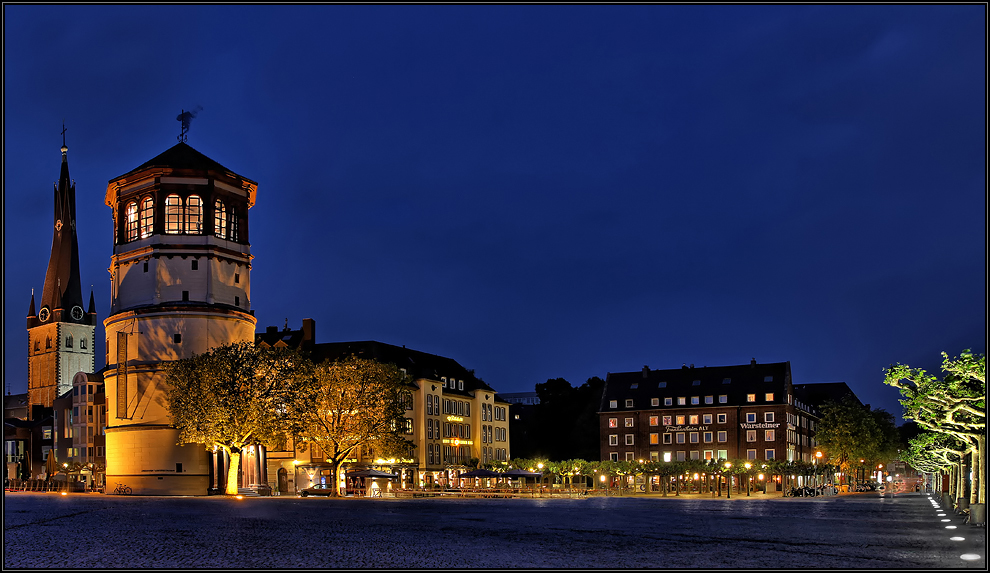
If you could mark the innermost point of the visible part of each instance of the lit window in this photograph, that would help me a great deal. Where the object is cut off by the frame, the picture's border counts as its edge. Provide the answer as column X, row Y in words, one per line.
column 233, row 224
column 750, row 417
column 720, row 418
column 709, row 399
column 613, row 403
column 723, row 399
column 695, row 400
column 750, row 435
column 693, row 419
column 768, row 436
column 654, row 401
column 654, row 438
column 173, row 214
column 707, row 419
column 680, row 420
column 654, row 420
column 629, row 422
column 723, row 436
column 769, row 396
column 219, row 219
column 751, row 397
column 147, row 217
column 132, row 222
column 709, row 455
column 768, row 416
column 668, row 401
column 682, row 401
column 613, row 439
column 666, row 420
column 613, row 422
column 629, row 439
column 194, row 215
column 654, row 456
column 629, row 403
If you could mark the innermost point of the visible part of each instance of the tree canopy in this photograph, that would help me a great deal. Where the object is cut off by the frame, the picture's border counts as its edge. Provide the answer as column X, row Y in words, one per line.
column 353, row 403
column 233, row 396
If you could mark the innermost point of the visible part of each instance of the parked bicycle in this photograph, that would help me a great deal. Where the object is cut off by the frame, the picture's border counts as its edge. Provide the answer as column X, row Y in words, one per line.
column 122, row 489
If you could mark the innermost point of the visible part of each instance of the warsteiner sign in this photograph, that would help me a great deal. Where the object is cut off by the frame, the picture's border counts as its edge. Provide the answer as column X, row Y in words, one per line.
column 763, row 426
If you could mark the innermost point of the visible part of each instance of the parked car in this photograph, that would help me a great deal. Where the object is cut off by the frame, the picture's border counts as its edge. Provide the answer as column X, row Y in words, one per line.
column 317, row 489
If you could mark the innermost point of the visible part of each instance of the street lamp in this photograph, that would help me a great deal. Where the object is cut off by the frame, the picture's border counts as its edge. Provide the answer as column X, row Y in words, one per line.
column 728, row 481
column 748, row 477
column 818, row 456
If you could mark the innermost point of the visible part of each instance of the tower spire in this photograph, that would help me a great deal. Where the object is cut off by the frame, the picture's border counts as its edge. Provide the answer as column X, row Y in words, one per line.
column 63, row 266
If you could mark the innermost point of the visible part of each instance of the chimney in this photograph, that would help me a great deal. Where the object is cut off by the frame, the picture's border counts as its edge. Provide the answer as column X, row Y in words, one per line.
column 692, row 366
column 646, row 371
column 684, row 365
column 752, row 363
column 309, row 331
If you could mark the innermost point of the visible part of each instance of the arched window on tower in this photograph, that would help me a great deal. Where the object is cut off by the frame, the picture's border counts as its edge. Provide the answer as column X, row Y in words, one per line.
column 219, row 220
column 194, row 215
column 131, row 221
column 173, row 214
column 234, row 227
column 147, row 217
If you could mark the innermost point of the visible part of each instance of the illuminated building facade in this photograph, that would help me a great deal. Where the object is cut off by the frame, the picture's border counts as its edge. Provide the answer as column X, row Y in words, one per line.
column 60, row 333
column 180, row 285
column 451, row 417
column 726, row 412
column 80, row 420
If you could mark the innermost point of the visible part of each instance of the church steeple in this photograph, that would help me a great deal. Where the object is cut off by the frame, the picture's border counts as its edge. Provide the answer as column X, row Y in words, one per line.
column 63, row 290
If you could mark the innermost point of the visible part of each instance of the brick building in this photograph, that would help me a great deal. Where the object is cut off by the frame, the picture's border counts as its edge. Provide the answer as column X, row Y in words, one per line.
column 724, row 412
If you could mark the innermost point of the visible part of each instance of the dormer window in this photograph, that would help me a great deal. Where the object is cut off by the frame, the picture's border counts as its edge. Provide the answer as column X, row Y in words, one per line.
column 629, row 403
column 696, row 383
column 460, row 384
column 634, row 385
column 726, row 380
column 661, row 385
column 768, row 378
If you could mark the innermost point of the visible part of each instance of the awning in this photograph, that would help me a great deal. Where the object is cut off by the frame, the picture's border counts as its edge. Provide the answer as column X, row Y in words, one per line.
column 372, row 474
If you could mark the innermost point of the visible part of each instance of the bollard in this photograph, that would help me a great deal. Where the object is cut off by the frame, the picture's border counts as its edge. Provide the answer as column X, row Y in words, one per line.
column 962, row 504
column 978, row 514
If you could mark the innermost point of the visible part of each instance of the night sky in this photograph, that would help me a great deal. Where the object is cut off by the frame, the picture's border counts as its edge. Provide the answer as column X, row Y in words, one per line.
column 541, row 191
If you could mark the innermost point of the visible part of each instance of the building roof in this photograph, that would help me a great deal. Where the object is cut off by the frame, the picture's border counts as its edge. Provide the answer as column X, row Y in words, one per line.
column 733, row 381
column 182, row 156
column 818, row 393
column 416, row 364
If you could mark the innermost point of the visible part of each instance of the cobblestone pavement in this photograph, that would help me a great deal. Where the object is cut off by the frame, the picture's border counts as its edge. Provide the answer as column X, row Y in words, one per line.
column 83, row 531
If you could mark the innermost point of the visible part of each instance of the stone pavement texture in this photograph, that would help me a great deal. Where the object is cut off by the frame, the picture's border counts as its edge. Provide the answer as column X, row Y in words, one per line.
column 866, row 531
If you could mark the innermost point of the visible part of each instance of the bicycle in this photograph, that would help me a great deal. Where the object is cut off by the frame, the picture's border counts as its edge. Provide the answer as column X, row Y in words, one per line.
column 122, row 489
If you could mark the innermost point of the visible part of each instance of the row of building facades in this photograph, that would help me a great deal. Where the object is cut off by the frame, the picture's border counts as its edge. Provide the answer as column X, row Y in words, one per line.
column 180, row 275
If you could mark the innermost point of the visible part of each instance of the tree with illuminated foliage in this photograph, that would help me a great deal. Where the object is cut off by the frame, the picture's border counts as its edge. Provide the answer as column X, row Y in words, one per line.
column 353, row 404
column 954, row 405
column 234, row 396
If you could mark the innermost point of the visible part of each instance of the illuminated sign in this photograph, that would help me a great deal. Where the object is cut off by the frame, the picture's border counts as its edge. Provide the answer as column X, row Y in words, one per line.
column 455, row 419
column 764, row 426
column 458, row 442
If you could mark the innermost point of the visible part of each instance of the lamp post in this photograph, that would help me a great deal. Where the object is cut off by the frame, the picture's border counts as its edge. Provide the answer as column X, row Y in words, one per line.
column 748, row 478
column 728, row 481
column 818, row 456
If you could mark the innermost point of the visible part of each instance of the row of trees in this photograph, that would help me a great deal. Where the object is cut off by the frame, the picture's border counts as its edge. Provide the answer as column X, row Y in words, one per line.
column 578, row 471
column 952, row 413
column 240, row 394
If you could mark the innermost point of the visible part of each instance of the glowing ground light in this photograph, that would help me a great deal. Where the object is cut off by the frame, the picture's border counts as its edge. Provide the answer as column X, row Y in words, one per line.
column 63, row 493
column 950, row 526
column 969, row 556
column 240, row 497
column 957, row 539
column 946, row 520
column 941, row 515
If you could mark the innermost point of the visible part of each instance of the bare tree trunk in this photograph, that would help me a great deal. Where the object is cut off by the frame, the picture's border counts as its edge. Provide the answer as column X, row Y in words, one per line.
column 981, row 466
column 232, row 471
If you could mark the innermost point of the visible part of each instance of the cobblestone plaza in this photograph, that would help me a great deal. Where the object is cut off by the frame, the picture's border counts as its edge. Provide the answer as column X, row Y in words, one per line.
column 865, row 531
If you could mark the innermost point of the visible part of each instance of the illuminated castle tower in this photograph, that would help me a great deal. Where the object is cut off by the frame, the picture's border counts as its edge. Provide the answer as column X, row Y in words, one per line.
column 61, row 333
column 181, row 276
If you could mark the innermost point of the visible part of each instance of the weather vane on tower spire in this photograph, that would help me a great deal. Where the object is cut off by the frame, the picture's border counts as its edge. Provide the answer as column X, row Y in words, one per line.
column 186, row 117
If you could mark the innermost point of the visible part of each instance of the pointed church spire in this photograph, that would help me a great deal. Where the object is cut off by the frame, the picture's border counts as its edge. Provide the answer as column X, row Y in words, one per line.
column 31, row 312
column 92, row 303
column 63, row 266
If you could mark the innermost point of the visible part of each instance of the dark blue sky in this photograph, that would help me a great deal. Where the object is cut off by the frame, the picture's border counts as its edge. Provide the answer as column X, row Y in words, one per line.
column 542, row 191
